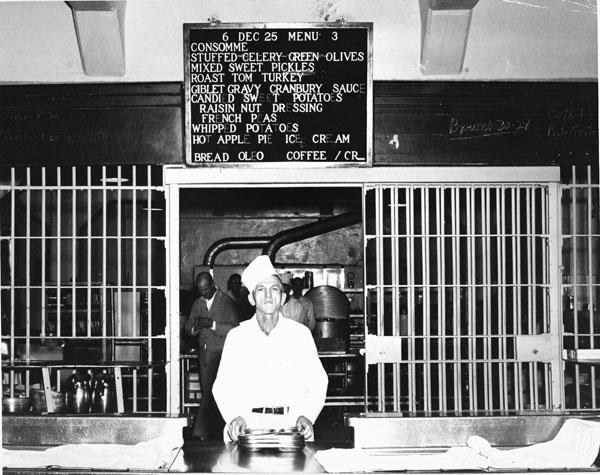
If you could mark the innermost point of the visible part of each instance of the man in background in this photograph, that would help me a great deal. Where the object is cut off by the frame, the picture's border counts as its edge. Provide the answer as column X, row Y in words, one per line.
column 211, row 317
column 298, row 307
column 239, row 294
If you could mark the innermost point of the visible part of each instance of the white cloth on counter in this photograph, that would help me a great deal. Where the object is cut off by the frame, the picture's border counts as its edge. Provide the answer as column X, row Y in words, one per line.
column 575, row 446
column 369, row 460
column 152, row 454
column 281, row 369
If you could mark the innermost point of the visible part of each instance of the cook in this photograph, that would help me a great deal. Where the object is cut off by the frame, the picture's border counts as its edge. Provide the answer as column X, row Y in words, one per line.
column 270, row 376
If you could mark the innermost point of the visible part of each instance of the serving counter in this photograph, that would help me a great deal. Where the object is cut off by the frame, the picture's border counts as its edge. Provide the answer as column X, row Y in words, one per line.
column 383, row 443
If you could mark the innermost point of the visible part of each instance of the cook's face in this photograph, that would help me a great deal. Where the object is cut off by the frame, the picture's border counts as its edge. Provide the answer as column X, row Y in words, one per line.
column 268, row 295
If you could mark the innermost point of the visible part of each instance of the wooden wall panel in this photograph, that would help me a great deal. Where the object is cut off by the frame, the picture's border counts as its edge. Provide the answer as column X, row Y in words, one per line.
column 98, row 124
column 415, row 123
column 485, row 123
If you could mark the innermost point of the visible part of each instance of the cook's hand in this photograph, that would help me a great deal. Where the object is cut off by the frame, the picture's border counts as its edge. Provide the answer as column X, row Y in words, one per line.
column 236, row 427
column 204, row 322
column 305, row 427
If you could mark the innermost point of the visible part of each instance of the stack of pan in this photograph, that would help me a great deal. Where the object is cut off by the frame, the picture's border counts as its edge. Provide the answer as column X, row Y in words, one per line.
column 284, row 440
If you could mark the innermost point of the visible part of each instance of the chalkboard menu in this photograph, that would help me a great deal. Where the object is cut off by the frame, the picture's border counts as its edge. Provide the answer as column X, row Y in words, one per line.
column 278, row 94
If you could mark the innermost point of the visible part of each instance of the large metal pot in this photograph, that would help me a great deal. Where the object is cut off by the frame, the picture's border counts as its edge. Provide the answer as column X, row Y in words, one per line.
column 16, row 405
column 331, row 309
column 328, row 302
column 39, row 401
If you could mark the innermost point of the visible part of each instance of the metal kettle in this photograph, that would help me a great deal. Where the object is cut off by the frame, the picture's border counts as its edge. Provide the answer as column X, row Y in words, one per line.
column 103, row 393
column 78, row 393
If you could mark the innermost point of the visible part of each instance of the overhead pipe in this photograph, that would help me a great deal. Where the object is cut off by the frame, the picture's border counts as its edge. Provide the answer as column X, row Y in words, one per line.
column 310, row 230
column 271, row 245
column 233, row 243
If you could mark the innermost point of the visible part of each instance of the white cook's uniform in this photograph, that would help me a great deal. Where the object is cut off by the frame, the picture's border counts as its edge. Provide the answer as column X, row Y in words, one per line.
column 281, row 369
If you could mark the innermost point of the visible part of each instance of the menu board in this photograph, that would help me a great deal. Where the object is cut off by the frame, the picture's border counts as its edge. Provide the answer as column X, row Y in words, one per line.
column 296, row 94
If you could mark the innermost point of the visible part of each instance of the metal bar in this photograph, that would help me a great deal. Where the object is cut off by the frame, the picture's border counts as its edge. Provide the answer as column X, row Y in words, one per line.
column 590, row 273
column 27, row 275
column 410, row 226
column 149, row 279
column 379, row 291
column 487, row 310
column 502, row 317
column 516, row 260
column 119, row 252
column 11, row 258
column 534, row 283
column 365, row 296
column 134, row 248
column 471, row 279
column 106, row 346
column 395, row 264
column 172, row 330
column 546, row 291
column 529, row 260
column 73, row 252
column 529, row 212
column 149, row 282
column 555, row 301
column 89, row 251
column 43, row 257
column 456, row 298
column 544, row 245
column 425, row 254
column 441, row 270
column 58, row 252
column 574, row 252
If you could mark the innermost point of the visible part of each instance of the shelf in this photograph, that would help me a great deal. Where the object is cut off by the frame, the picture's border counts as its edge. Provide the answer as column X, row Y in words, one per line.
column 339, row 354
column 81, row 364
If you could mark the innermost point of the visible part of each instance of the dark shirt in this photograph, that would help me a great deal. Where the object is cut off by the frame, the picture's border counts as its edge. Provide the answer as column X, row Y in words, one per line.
column 222, row 312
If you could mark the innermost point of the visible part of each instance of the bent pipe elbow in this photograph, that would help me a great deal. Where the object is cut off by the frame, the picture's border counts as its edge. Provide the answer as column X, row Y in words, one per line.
column 232, row 243
column 310, row 230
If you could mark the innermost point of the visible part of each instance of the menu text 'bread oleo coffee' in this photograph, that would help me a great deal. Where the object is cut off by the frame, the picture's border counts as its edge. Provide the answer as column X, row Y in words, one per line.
column 271, row 93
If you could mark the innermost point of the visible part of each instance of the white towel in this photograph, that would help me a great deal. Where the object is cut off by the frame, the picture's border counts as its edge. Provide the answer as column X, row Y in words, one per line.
column 151, row 454
column 575, row 446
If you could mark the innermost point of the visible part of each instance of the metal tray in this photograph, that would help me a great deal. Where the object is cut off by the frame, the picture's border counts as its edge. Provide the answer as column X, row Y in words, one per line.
column 283, row 440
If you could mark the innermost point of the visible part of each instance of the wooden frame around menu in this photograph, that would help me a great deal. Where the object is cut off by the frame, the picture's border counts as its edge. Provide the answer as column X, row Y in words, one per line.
column 368, row 27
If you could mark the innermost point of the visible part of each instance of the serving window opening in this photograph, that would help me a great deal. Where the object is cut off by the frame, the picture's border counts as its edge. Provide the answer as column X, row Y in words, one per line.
column 312, row 233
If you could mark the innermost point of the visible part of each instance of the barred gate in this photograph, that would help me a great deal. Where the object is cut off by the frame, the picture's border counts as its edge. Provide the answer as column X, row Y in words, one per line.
column 580, row 234
column 82, row 278
column 465, row 278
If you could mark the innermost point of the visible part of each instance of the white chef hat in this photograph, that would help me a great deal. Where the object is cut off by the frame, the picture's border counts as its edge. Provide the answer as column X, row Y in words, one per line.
column 259, row 269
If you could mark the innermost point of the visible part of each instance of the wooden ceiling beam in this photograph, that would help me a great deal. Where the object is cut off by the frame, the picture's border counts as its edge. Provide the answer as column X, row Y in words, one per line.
column 100, row 30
